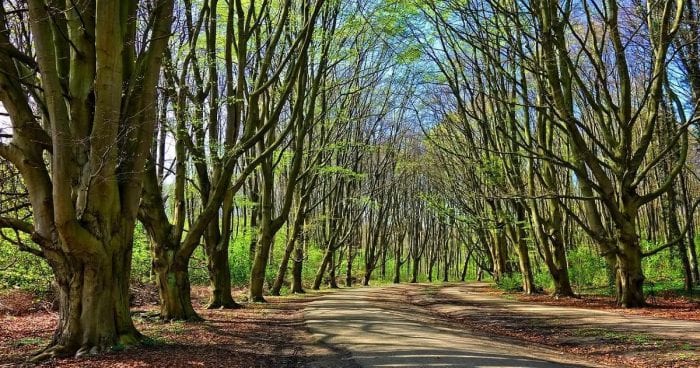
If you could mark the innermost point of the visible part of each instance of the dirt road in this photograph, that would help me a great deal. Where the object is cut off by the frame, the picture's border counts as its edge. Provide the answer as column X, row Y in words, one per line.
column 474, row 300
column 380, row 329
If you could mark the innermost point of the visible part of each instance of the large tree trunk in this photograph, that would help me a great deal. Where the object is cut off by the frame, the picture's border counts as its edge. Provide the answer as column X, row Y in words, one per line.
column 216, row 246
column 83, row 164
column 174, row 291
column 560, row 270
column 219, row 278
column 293, row 244
column 93, row 296
column 172, row 279
column 257, row 273
column 629, row 268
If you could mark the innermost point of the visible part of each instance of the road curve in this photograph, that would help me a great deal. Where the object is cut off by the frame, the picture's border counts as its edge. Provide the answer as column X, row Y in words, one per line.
column 378, row 329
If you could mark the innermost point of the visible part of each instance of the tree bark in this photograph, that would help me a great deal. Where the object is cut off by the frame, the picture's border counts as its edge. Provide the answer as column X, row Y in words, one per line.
column 322, row 268
column 297, row 282
column 629, row 268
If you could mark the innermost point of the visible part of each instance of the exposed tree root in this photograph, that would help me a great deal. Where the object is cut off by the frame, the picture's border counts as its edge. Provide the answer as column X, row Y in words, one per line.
column 56, row 350
column 50, row 352
column 220, row 305
column 258, row 299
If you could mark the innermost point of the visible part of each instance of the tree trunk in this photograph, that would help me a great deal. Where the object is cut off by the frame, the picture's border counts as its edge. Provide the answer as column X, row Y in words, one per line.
column 217, row 247
column 466, row 264
column 560, row 272
column 367, row 277
column 322, row 269
column 93, row 297
column 220, row 278
column 282, row 270
column 175, row 294
column 431, row 264
column 297, row 286
column 257, row 273
column 332, row 279
column 284, row 263
column 499, row 253
column 693, row 258
column 692, row 252
column 397, row 271
column 414, row 274
column 348, row 269
column 172, row 279
column 669, row 208
column 629, row 269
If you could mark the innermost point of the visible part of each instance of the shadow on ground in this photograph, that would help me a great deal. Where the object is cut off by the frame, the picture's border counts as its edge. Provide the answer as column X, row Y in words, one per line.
column 381, row 330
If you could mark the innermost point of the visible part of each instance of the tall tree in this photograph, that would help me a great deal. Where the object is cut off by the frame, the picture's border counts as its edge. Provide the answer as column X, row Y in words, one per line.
column 82, row 129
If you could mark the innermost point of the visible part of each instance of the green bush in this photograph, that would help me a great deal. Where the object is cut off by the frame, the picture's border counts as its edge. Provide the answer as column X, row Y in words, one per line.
column 543, row 279
column 141, row 256
column 23, row 270
column 587, row 270
column 512, row 282
column 239, row 258
column 662, row 266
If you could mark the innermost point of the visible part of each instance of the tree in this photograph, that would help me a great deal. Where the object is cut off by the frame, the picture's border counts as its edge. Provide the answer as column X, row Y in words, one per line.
column 80, row 92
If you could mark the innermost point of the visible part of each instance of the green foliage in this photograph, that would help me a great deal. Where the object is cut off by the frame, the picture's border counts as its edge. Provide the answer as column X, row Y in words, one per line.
column 662, row 266
column 409, row 55
column 341, row 171
column 239, row 257
column 314, row 256
column 586, row 269
column 141, row 256
column 512, row 282
column 31, row 341
column 544, row 280
column 23, row 270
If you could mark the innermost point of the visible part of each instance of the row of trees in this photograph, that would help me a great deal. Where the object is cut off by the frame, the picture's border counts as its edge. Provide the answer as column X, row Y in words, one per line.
column 567, row 121
column 404, row 137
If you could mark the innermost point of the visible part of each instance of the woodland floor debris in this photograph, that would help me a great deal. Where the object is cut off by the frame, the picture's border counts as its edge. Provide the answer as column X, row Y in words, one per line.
column 259, row 335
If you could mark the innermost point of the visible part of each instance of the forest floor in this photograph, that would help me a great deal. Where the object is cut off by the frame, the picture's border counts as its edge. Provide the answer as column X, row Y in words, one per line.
column 409, row 325
column 259, row 335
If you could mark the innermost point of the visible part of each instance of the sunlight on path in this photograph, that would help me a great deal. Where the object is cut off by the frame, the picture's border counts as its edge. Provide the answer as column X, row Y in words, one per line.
column 475, row 300
column 380, row 331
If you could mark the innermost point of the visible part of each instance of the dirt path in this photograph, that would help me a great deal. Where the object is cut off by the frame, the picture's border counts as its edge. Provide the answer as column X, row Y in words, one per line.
column 613, row 338
column 477, row 300
column 380, row 329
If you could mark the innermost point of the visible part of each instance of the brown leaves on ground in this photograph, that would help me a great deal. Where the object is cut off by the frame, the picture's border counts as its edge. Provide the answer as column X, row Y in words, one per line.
column 259, row 335
column 667, row 305
column 17, row 302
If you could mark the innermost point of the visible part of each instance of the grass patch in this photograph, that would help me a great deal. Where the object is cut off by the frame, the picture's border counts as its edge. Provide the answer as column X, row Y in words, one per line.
column 30, row 341
column 155, row 341
column 616, row 336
